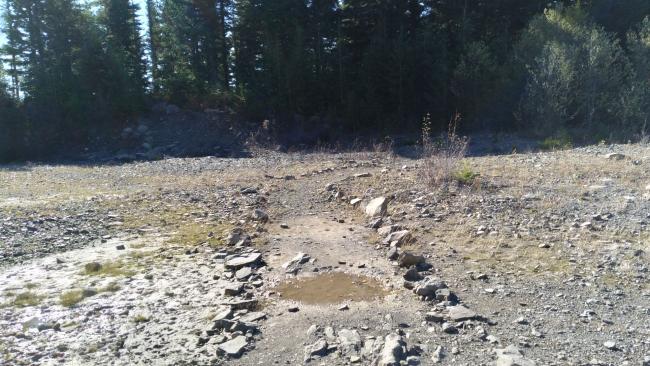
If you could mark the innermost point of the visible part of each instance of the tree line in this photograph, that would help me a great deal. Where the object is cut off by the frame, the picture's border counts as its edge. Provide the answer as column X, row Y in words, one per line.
column 73, row 70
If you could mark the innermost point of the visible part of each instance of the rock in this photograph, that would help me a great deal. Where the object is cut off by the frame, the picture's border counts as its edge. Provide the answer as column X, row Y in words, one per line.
column 350, row 340
column 329, row 333
column 234, row 347
column 398, row 238
column 449, row 328
column 363, row 175
column 248, row 190
column 243, row 273
column 293, row 309
column 344, row 307
column 375, row 223
column 412, row 275
column 521, row 320
column 393, row 253
column 393, row 351
column 293, row 265
column 460, row 313
column 317, row 349
column 438, row 355
column 407, row 259
column 428, row 287
column 243, row 260
column 120, row 247
column 386, row 230
column 511, row 356
column 284, row 226
column 355, row 202
column 610, row 345
column 261, row 216
column 444, row 294
column 253, row 317
column 615, row 156
column 232, row 289
column 377, row 207
column 313, row 330
column 234, row 236
column 355, row 359
column 434, row 316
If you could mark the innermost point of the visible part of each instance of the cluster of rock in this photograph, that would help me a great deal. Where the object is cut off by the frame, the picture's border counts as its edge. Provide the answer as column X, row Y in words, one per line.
column 392, row 350
column 447, row 311
column 232, row 331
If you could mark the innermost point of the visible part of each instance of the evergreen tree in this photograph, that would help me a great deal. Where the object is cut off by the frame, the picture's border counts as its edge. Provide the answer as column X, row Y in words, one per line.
column 154, row 42
column 124, row 47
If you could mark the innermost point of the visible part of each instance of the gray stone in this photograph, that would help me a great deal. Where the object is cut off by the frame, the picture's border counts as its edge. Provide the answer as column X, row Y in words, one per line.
column 611, row 345
column 293, row 265
column 393, row 253
column 398, row 238
column 377, row 207
column 350, row 340
column 407, row 259
column 615, row 156
column 449, row 328
column 319, row 348
column 428, row 287
column 243, row 261
column 261, row 216
column 412, row 275
column 234, row 347
column 460, row 313
column 243, row 273
column 232, row 289
column 253, row 317
column 393, row 351
column 512, row 356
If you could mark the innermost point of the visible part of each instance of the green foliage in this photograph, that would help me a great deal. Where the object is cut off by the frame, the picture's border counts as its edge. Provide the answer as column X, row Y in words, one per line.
column 71, row 298
column 465, row 175
column 560, row 141
column 25, row 299
column 577, row 75
column 77, row 69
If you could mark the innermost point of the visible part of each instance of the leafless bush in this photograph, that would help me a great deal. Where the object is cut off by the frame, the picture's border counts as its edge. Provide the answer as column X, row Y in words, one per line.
column 442, row 157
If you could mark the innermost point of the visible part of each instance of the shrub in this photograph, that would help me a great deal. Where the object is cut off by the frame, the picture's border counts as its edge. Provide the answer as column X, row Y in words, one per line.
column 442, row 158
column 577, row 75
column 465, row 175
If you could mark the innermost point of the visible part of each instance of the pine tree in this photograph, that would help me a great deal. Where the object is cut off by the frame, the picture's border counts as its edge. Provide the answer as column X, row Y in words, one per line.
column 154, row 42
column 13, row 50
column 124, row 46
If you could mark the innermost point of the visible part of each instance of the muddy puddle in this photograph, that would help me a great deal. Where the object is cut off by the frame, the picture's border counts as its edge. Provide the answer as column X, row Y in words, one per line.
column 331, row 288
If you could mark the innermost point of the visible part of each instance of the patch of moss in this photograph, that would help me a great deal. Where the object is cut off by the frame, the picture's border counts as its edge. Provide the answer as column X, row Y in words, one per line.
column 71, row 298
column 25, row 299
column 109, row 269
column 140, row 319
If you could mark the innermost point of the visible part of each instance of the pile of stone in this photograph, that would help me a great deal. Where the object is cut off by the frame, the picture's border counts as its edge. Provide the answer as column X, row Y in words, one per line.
column 348, row 344
column 231, row 332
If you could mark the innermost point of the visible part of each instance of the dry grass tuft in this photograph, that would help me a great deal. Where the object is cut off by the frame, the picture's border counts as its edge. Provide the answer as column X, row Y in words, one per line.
column 442, row 158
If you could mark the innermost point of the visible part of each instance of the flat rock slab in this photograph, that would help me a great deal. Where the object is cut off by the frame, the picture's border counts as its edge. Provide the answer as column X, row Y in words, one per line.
column 511, row 356
column 234, row 347
column 243, row 260
column 459, row 313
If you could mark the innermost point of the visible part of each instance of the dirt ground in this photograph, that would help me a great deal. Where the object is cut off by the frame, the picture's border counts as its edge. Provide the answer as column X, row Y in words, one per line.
column 271, row 260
